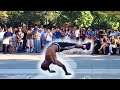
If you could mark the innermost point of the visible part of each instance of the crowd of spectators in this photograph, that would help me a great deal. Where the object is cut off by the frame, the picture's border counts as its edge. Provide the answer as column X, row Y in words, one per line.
column 34, row 39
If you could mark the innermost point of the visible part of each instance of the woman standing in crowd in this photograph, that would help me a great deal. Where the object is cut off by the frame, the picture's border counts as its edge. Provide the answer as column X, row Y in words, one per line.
column 24, row 38
column 10, row 46
column 83, row 34
column 30, row 44
column 20, row 36
column 53, row 36
column 37, row 43
column 65, row 35
column 97, row 34
column 14, row 41
column 48, row 37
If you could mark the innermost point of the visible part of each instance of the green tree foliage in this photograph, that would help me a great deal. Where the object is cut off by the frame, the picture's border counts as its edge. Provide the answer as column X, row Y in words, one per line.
column 3, row 17
column 85, row 19
column 93, row 19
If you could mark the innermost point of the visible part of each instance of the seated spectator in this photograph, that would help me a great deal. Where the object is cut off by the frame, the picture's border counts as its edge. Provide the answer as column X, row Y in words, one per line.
column 97, row 45
column 104, row 44
column 112, row 46
column 118, row 43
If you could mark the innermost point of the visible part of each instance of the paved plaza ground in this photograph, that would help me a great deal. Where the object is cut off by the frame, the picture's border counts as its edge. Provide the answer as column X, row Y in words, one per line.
column 27, row 66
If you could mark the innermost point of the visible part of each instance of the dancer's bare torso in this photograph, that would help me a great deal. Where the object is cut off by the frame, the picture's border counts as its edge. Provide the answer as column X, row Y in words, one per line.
column 50, row 54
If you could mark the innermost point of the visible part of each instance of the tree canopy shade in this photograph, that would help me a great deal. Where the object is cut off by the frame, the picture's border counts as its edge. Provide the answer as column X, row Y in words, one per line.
column 86, row 19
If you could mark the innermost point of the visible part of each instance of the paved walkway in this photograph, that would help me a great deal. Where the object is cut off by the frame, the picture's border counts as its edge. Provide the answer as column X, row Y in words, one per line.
column 37, row 56
column 27, row 66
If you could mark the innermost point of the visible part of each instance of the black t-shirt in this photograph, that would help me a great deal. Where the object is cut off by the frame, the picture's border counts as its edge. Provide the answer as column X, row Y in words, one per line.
column 101, row 32
column 98, row 43
column 25, row 34
column 62, row 45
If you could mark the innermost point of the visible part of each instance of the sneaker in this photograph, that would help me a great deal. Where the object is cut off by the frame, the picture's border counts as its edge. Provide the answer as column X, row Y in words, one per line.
column 109, row 53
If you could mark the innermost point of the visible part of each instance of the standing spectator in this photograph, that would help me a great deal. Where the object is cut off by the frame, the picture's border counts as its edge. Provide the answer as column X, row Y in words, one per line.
column 113, row 33
column 90, row 33
column 1, row 38
column 105, row 34
column 97, row 34
column 77, row 33
column 30, row 44
column 101, row 34
column 53, row 36
column 42, row 38
column 72, row 35
column 20, row 36
column 6, row 41
column 10, row 46
column 35, row 29
column 24, row 38
column 37, row 43
column 83, row 34
column 48, row 37
column 58, row 35
column 14, row 41
column 66, row 34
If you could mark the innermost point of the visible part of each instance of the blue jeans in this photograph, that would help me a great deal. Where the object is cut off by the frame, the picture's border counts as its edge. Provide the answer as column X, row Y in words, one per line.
column 37, row 45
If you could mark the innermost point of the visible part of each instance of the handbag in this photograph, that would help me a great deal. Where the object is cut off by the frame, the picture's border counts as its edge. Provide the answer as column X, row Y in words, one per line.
column 45, row 38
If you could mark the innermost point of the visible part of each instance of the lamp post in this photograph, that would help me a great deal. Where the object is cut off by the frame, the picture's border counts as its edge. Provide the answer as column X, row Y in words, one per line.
column 45, row 15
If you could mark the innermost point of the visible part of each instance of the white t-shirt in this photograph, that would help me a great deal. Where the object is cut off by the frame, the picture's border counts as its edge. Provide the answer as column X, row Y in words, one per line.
column 6, row 41
column 112, row 34
column 77, row 32
column 49, row 37
column 1, row 35
column 14, row 37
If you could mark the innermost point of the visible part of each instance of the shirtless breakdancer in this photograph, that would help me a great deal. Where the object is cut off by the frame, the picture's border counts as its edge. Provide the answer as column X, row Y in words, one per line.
column 51, row 58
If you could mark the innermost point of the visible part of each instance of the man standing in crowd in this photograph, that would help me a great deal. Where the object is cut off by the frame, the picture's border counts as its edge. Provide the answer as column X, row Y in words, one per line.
column 6, row 41
column 30, row 44
column 42, row 38
column 58, row 35
column 77, row 34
